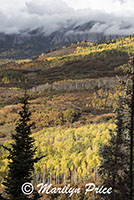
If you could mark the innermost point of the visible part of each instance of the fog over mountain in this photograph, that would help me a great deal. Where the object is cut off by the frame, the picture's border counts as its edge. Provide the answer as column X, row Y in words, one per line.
column 52, row 15
column 46, row 24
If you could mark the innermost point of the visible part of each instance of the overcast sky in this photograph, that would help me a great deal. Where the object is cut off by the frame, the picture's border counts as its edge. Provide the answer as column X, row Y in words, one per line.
column 108, row 5
column 17, row 15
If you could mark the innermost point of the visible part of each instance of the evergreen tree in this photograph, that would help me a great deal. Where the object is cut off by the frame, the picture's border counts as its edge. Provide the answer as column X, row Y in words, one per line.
column 117, row 157
column 114, row 160
column 21, row 157
column 131, row 121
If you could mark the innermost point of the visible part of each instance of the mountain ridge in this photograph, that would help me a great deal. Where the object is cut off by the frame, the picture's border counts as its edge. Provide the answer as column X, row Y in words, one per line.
column 31, row 43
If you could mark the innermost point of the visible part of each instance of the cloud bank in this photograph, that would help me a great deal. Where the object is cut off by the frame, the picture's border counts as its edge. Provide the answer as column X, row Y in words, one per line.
column 53, row 15
column 121, row 1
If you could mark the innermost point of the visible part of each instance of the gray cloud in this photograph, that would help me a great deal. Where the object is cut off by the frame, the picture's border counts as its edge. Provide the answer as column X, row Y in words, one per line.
column 52, row 15
column 48, row 7
column 121, row 1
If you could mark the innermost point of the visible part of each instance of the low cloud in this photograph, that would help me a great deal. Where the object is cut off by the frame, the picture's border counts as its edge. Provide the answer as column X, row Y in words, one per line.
column 48, row 7
column 121, row 1
column 53, row 15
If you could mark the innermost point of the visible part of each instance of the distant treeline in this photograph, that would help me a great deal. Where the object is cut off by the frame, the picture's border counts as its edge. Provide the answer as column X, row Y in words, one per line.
column 77, row 84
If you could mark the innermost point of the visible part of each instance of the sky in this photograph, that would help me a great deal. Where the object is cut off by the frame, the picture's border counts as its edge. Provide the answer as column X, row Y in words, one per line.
column 18, row 15
column 108, row 5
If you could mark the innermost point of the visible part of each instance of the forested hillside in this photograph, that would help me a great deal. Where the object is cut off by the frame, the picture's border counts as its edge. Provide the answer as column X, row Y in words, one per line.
column 88, row 60
column 73, row 94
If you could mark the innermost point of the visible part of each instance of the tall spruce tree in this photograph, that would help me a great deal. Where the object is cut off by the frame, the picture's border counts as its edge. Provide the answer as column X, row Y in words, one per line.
column 129, row 120
column 114, row 160
column 117, row 163
column 21, row 157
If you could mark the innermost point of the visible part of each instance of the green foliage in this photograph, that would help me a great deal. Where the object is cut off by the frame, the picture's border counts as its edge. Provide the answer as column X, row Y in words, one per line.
column 11, row 76
column 86, row 109
column 113, row 169
column 71, row 115
column 21, row 156
column 117, row 171
column 53, row 119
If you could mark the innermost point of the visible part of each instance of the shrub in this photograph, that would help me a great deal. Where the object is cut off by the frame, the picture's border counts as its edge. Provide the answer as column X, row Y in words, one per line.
column 71, row 115
column 85, row 109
